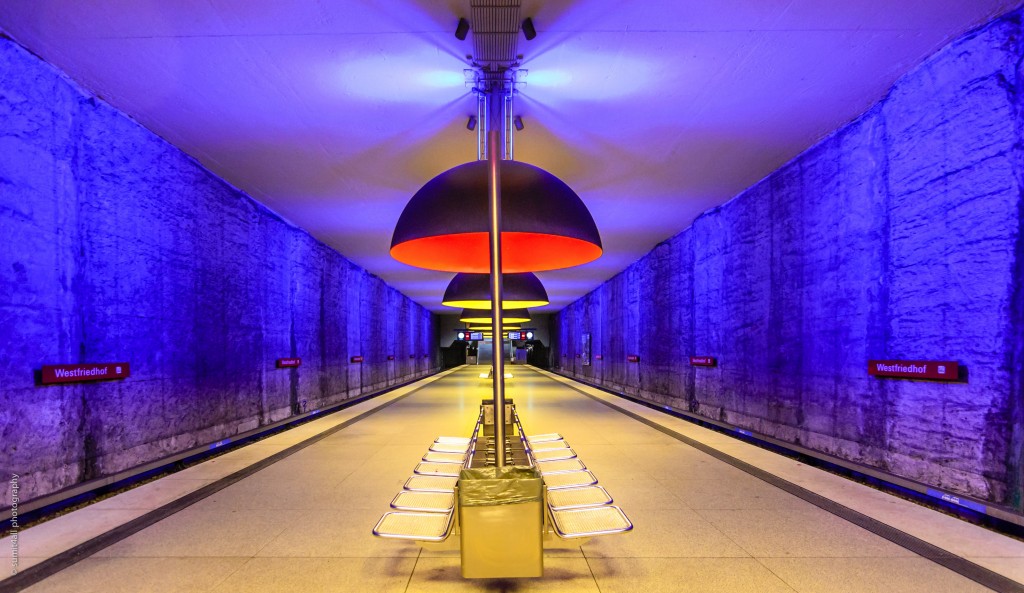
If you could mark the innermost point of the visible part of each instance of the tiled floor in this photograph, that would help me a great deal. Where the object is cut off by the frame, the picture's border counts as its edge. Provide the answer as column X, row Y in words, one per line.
column 303, row 524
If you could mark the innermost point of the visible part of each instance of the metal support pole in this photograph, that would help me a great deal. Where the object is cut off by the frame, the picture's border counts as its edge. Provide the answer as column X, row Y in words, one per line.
column 494, row 186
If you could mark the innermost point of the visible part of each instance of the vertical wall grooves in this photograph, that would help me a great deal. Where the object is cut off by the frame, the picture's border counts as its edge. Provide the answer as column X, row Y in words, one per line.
column 1015, row 348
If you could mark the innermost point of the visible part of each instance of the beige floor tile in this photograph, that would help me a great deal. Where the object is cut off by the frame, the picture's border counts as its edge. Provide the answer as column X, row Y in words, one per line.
column 335, row 534
column 276, row 497
column 1010, row 567
column 23, row 563
column 809, row 533
column 561, row 575
column 640, row 493
column 869, row 575
column 64, row 532
column 315, row 575
column 676, row 533
column 136, row 575
column 331, row 450
column 216, row 468
column 685, row 575
column 736, row 494
column 152, row 495
column 961, row 537
column 199, row 532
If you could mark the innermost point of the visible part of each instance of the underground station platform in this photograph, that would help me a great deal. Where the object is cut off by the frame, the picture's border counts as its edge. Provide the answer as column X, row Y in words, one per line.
column 610, row 496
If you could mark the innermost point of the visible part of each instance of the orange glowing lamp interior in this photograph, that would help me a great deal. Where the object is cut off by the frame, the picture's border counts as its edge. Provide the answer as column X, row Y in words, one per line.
column 520, row 252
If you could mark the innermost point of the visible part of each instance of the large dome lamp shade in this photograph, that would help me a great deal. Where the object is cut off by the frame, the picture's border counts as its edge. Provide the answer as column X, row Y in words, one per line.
column 473, row 291
column 545, row 225
column 508, row 316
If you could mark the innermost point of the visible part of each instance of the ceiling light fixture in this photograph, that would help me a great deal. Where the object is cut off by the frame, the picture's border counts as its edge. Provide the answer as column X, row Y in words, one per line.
column 528, row 29
column 462, row 30
column 473, row 291
column 518, row 122
column 545, row 225
column 509, row 316
column 471, row 124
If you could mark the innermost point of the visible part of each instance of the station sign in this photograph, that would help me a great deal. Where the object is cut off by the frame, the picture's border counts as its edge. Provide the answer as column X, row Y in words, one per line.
column 289, row 363
column 633, row 358
column 516, row 336
column 915, row 369
column 81, row 373
column 703, row 361
column 598, row 357
column 356, row 359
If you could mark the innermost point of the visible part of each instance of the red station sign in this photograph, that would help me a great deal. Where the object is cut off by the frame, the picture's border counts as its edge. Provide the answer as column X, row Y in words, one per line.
column 356, row 359
column 915, row 369
column 81, row 373
column 633, row 358
column 703, row 361
column 598, row 357
column 289, row 363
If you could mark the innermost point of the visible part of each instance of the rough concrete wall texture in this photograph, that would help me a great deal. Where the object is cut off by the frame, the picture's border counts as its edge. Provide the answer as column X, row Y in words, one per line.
column 118, row 247
column 896, row 237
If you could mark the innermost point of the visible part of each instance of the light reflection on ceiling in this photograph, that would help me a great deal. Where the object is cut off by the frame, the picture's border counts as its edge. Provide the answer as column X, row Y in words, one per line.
column 334, row 113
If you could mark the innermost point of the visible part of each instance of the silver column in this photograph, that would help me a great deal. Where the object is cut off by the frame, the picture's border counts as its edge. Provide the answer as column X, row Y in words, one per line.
column 496, row 105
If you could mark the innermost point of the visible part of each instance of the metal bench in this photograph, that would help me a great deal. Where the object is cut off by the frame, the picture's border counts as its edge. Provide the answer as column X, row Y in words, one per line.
column 576, row 506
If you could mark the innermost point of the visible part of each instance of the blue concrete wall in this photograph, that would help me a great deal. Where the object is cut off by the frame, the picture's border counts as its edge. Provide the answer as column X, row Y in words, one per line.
column 118, row 247
column 898, row 236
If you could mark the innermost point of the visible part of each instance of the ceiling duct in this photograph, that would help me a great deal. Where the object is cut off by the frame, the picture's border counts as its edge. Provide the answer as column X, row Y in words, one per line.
column 495, row 26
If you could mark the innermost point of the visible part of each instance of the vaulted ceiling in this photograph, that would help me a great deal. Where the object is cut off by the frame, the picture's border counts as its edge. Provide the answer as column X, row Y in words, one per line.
column 334, row 113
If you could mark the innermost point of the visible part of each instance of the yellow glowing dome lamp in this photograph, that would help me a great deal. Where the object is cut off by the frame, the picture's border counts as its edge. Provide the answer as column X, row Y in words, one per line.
column 509, row 316
column 473, row 291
